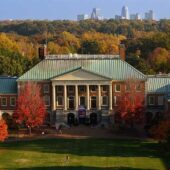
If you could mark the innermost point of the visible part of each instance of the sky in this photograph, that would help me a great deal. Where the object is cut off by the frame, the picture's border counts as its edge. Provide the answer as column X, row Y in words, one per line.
column 68, row 9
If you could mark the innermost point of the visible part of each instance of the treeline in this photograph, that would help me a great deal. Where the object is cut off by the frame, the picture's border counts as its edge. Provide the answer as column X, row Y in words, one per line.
column 147, row 42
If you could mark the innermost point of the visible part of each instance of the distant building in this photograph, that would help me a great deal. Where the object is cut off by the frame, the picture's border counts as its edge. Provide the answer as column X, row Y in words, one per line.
column 117, row 17
column 149, row 15
column 82, row 17
column 135, row 16
column 95, row 15
column 125, row 13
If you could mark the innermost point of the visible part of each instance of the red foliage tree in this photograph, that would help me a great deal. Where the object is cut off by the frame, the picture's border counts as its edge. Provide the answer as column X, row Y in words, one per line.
column 30, row 108
column 130, row 108
column 3, row 130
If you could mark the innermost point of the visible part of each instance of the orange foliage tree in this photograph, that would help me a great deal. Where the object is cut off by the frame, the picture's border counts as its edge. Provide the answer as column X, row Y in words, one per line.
column 130, row 109
column 3, row 130
column 30, row 108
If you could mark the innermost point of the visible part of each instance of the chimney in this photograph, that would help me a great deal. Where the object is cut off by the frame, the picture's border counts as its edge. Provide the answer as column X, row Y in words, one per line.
column 122, row 51
column 42, row 51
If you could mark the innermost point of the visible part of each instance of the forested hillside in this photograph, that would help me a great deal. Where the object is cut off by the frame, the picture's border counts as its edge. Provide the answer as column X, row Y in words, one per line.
column 147, row 42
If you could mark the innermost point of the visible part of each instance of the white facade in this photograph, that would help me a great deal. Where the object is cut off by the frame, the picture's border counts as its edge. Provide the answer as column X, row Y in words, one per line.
column 135, row 17
column 149, row 15
column 125, row 13
column 82, row 17
column 95, row 15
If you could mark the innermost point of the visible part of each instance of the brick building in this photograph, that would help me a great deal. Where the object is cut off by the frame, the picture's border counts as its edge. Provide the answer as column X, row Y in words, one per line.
column 76, row 86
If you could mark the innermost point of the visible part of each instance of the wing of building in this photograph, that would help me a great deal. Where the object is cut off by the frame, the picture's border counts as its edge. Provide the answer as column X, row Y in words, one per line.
column 85, row 85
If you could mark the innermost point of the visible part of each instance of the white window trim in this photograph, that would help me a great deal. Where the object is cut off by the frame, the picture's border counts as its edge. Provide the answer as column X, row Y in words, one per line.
column 106, row 100
column 151, row 104
column 70, row 91
column 5, row 99
column 162, row 101
column 104, row 90
column 93, row 90
column 57, row 89
column 48, row 101
column 85, row 100
column 44, row 88
column 62, row 101
column 116, row 89
column 11, row 100
column 82, row 90
column 91, row 101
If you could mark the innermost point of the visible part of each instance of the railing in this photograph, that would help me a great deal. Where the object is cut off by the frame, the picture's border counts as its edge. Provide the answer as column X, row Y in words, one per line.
column 81, row 56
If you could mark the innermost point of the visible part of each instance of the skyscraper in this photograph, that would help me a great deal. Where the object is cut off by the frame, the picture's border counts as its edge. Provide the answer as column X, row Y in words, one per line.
column 82, row 17
column 149, row 15
column 135, row 16
column 96, row 14
column 125, row 13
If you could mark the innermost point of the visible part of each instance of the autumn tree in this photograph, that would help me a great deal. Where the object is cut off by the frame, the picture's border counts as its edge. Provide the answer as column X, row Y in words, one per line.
column 30, row 108
column 160, row 59
column 130, row 107
column 3, row 130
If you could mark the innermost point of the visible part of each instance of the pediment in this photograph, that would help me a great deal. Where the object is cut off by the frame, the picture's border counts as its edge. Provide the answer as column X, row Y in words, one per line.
column 80, row 75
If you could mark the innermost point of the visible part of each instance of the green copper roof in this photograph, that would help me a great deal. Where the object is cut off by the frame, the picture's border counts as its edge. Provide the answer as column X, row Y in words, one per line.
column 159, row 84
column 113, row 68
column 8, row 85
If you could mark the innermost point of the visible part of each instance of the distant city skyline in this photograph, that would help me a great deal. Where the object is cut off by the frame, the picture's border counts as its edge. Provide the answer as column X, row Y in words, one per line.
column 69, row 9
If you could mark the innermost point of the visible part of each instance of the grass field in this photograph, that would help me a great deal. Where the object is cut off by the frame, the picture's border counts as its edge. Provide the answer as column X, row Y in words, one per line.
column 84, row 154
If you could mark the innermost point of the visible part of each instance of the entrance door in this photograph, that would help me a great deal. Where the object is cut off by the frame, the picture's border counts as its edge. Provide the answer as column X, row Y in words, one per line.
column 93, row 102
column 82, row 101
column 71, row 103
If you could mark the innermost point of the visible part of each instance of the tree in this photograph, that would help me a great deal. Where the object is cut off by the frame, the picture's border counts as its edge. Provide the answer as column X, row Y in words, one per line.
column 90, row 47
column 131, row 104
column 30, row 108
column 3, row 130
column 160, row 59
column 161, row 131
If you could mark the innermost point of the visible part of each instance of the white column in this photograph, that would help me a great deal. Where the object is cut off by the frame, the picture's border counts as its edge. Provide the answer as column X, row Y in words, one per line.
column 76, row 97
column 88, row 97
column 99, row 97
column 110, row 97
column 54, row 98
column 65, row 97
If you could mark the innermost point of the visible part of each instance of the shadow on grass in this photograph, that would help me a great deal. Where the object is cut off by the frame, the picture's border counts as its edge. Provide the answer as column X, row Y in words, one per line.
column 80, row 168
column 92, row 147
column 88, row 147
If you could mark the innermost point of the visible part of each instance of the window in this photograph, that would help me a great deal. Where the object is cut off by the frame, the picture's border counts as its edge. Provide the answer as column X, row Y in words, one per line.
column 71, row 88
column 104, row 100
column 47, row 100
column 117, row 88
column 151, row 100
column 59, row 100
column 71, row 102
column 138, row 87
column 104, row 88
column 3, row 101
column 82, row 101
column 46, row 88
column 127, row 87
column 60, row 89
column 82, row 88
column 93, row 88
column 160, row 100
column 12, row 101
column 93, row 102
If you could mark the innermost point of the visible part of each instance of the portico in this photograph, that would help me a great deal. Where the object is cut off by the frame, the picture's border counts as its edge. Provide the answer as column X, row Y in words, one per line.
column 81, row 87
column 91, row 99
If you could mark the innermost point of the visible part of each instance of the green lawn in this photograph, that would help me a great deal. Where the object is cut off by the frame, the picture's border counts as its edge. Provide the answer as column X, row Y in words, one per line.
column 86, row 154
